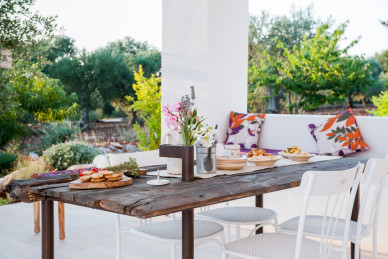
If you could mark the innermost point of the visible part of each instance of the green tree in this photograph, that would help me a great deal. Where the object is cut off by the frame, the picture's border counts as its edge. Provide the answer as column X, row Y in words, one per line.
column 315, row 72
column 97, row 78
column 20, row 28
column 26, row 94
column 102, row 78
column 32, row 97
column 364, row 94
column 60, row 46
column 264, row 30
column 382, row 58
column 319, row 71
column 148, row 104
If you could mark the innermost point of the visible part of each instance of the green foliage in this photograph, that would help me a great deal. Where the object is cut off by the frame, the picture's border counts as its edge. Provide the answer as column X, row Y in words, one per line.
column 96, row 115
column 6, row 162
column 381, row 102
column 264, row 33
column 102, row 78
column 130, row 169
column 316, row 72
column 148, row 106
column 55, row 133
column 382, row 59
column 319, row 71
column 60, row 46
column 64, row 155
column 30, row 96
column 20, row 28
column 289, row 29
column 3, row 202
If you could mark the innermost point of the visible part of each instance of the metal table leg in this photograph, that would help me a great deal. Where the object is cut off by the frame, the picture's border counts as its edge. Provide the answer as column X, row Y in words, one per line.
column 47, row 229
column 188, row 234
column 259, row 203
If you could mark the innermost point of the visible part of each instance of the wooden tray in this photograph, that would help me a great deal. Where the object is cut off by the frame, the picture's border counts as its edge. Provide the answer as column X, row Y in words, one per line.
column 78, row 184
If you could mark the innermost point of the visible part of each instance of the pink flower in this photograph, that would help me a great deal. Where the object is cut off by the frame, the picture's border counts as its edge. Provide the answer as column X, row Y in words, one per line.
column 172, row 115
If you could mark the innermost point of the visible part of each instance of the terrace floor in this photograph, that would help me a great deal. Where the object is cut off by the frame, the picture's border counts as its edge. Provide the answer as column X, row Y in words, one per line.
column 91, row 234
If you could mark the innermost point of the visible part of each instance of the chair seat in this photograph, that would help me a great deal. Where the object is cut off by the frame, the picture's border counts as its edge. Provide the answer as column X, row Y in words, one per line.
column 238, row 215
column 172, row 230
column 272, row 246
column 313, row 227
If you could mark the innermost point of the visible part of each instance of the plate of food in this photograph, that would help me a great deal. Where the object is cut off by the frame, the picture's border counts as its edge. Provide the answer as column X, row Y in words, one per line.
column 296, row 154
column 100, row 179
column 264, row 160
column 257, row 152
column 261, row 158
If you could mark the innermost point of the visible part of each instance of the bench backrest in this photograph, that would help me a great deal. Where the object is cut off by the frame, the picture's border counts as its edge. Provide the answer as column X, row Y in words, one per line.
column 284, row 130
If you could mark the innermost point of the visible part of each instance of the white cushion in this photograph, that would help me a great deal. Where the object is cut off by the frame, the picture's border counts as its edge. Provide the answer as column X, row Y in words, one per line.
column 240, row 215
column 272, row 246
column 172, row 230
column 313, row 227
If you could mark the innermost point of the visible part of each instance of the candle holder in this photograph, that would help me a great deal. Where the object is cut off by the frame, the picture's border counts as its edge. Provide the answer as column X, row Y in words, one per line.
column 186, row 153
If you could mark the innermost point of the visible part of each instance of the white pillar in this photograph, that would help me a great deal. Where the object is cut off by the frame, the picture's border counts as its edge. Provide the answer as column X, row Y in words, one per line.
column 205, row 44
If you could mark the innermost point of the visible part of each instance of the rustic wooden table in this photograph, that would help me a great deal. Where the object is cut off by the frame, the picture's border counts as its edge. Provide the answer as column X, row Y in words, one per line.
column 145, row 201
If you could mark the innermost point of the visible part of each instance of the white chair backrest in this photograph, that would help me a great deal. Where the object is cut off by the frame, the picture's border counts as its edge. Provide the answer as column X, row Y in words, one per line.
column 328, row 182
column 335, row 186
column 374, row 175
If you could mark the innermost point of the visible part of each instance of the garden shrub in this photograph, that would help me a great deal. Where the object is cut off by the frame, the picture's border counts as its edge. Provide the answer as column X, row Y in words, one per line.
column 6, row 162
column 63, row 155
column 381, row 102
column 148, row 106
column 96, row 115
column 25, row 167
column 3, row 202
column 55, row 133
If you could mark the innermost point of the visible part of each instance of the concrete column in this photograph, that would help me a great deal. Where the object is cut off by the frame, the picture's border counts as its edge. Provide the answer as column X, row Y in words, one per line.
column 205, row 44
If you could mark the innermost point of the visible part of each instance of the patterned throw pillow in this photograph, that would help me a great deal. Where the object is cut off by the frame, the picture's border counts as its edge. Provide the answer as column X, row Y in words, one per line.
column 244, row 129
column 339, row 135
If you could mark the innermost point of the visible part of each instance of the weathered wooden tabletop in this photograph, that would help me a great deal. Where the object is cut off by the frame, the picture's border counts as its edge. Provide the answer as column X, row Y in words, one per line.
column 144, row 201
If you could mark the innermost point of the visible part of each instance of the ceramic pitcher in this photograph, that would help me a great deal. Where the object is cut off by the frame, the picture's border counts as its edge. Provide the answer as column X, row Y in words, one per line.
column 174, row 165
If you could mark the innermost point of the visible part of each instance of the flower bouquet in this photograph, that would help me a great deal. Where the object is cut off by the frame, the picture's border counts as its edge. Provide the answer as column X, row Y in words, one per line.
column 183, row 115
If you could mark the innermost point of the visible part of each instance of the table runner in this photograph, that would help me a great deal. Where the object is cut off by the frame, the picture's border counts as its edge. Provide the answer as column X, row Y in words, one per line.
column 250, row 167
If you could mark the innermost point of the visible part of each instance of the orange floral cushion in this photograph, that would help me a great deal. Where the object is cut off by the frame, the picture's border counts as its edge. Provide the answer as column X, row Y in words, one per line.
column 338, row 135
column 244, row 129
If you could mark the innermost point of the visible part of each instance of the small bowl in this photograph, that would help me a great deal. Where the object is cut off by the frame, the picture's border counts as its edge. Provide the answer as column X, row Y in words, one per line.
column 230, row 160
column 300, row 158
column 265, row 162
column 235, row 166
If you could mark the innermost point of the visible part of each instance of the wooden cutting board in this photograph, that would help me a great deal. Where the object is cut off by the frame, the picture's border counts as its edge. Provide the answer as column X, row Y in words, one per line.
column 78, row 184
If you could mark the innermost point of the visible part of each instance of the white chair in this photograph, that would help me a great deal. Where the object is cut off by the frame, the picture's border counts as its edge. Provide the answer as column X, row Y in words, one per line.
column 334, row 186
column 375, row 174
column 171, row 231
column 239, row 216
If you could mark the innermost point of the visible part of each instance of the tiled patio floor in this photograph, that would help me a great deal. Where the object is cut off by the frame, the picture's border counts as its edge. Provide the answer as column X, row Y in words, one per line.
column 89, row 234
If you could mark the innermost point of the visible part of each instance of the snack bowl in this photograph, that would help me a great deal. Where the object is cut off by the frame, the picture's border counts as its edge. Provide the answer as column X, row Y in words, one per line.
column 300, row 157
column 233, row 166
column 265, row 160
column 230, row 160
